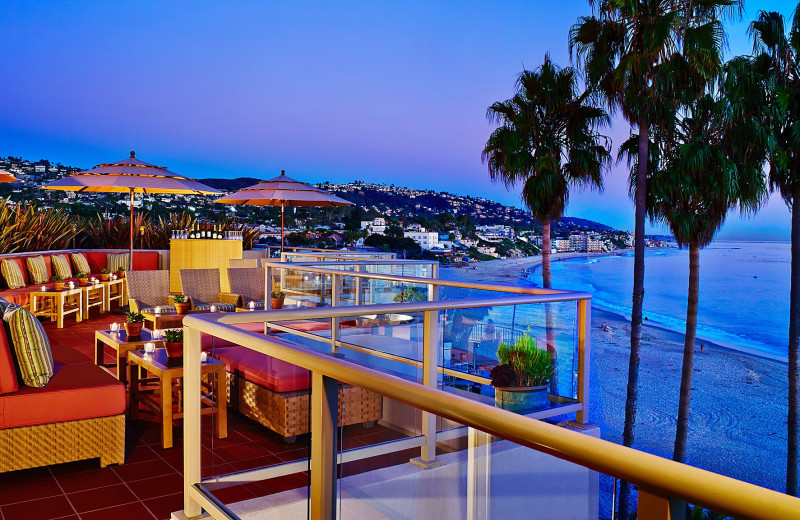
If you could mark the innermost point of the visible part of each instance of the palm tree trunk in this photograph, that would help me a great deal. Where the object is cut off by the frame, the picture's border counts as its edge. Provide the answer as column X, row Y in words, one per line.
column 546, row 281
column 636, row 307
column 794, row 343
column 682, row 429
column 550, row 333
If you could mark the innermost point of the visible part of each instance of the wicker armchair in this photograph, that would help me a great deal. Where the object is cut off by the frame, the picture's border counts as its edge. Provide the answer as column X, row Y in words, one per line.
column 203, row 289
column 243, row 262
column 147, row 290
column 249, row 283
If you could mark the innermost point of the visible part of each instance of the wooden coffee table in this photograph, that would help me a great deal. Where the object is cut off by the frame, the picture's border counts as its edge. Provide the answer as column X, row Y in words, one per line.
column 166, row 320
column 115, row 292
column 57, row 304
column 93, row 296
column 122, row 344
column 156, row 393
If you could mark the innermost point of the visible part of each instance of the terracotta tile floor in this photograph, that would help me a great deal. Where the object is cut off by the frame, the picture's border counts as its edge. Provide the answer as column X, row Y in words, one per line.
column 149, row 484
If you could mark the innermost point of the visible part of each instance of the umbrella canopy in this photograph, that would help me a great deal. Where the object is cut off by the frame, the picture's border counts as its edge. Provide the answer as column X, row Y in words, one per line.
column 283, row 191
column 7, row 177
column 130, row 176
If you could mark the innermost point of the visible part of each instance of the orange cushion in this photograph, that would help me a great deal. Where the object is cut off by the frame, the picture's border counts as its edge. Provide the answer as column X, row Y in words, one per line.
column 76, row 391
column 21, row 296
column 263, row 370
column 8, row 372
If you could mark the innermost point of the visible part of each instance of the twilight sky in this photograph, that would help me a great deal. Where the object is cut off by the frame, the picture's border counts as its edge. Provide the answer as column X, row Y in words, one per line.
column 340, row 91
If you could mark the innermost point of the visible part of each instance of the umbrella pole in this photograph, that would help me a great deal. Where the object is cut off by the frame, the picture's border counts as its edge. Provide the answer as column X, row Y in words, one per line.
column 130, row 264
column 281, row 227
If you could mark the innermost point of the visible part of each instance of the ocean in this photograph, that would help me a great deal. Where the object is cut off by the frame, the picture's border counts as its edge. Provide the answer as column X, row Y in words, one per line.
column 744, row 291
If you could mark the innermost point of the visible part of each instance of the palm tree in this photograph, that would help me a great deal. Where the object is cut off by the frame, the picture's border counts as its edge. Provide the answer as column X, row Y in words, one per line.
column 779, row 61
column 547, row 140
column 633, row 52
column 712, row 161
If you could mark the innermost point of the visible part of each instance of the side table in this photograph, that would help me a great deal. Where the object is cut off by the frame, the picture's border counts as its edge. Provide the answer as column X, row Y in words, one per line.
column 122, row 344
column 57, row 304
column 115, row 292
column 93, row 295
column 156, row 393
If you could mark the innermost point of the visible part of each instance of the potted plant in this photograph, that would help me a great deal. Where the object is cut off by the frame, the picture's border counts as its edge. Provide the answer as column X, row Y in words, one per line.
column 83, row 278
column 181, row 305
column 121, row 272
column 410, row 294
column 105, row 274
column 58, row 282
column 276, row 299
column 134, row 321
column 173, row 341
column 521, row 378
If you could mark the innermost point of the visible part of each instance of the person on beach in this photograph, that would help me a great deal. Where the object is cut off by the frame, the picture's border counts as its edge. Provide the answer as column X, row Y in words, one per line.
column 701, row 347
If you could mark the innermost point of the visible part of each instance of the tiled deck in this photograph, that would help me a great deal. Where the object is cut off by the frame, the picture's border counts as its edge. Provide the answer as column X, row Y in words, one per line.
column 149, row 483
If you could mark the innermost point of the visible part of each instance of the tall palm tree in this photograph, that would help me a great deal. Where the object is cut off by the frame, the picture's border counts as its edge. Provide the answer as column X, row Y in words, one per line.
column 779, row 60
column 627, row 49
column 712, row 162
column 548, row 140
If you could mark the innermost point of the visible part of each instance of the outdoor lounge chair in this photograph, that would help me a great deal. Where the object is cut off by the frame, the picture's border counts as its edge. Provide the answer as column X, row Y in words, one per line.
column 249, row 283
column 147, row 290
column 202, row 286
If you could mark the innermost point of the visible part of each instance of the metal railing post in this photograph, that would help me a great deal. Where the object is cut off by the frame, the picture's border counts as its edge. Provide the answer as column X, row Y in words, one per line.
column 324, row 440
column 479, row 463
column 191, row 420
column 268, row 288
column 359, row 289
column 584, row 351
column 657, row 507
column 336, row 289
column 430, row 363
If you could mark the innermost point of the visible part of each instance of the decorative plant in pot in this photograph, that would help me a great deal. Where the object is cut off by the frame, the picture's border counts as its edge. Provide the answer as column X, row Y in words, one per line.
column 134, row 321
column 181, row 305
column 58, row 282
column 173, row 341
column 105, row 274
column 121, row 272
column 521, row 379
column 276, row 299
column 410, row 294
column 83, row 278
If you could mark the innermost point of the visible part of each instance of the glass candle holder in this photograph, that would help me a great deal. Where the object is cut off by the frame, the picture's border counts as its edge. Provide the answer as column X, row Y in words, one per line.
column 149, row 348
column 203, row 357
column 213, row 308
column 157, row 310
column 252, row 305
column 114, row 327
column 44, row 288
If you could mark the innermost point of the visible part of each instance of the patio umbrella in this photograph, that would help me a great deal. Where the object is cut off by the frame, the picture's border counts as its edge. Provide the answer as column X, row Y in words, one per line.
column 283, row 191
column 130, row 176
column 7, row 177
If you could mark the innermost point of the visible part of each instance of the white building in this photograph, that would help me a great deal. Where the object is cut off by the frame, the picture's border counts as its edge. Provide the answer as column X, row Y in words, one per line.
column 561, row 245
column 425, row 239
column 374, row 226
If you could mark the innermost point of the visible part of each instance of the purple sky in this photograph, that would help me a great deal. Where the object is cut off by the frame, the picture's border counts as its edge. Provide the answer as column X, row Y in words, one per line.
column 393, row 93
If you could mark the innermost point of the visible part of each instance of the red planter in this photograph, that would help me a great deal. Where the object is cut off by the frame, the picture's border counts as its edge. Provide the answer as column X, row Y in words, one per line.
column 182, row 308
column 133, row 329
column 174, row 349
column 277, row 303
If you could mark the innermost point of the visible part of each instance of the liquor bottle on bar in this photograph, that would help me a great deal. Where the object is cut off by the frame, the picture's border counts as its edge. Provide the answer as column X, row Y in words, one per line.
column 205, row 231
column 216, row 232
column 192, row 231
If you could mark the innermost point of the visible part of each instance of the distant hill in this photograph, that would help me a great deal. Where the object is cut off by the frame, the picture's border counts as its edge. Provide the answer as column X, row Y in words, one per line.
column 230, row 184
column 581, row 224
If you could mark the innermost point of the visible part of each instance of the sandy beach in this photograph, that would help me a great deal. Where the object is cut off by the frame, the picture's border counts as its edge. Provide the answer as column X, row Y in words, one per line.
column 738, row 411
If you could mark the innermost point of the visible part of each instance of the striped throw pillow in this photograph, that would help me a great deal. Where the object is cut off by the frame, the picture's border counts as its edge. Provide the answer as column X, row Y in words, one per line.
column 115, row 261
column 37, row 269
column 12, row 274
column 80, row 263
column 61, row 266
column 34, row 357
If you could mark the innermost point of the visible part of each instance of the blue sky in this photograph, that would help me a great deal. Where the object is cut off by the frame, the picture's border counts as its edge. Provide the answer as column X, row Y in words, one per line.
column 385, row 92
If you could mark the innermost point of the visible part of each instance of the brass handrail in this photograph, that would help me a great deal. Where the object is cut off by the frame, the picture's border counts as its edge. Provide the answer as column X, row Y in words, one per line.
column 654, row 475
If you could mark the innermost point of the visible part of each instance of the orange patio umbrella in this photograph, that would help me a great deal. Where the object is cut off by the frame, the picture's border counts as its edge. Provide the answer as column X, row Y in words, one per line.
column 283, row 191
column 7, row 177
column 130, row 176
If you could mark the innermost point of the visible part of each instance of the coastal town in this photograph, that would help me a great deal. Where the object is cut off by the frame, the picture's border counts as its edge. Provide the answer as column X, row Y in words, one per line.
column 413, row 222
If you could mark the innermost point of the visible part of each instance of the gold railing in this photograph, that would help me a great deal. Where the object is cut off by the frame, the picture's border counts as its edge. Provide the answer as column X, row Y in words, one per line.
column 661, row 482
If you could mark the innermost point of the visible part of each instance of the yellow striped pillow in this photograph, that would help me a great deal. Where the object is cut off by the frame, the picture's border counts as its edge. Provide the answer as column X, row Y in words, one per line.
column 34, row 357
column 80, row 263
column 115, row 261
column 12, row 274
column 37, row 269
column 61, row 266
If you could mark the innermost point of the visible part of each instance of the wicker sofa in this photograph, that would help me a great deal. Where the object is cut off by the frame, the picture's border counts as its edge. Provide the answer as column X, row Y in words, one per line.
column 276, row 394
column 79, row 415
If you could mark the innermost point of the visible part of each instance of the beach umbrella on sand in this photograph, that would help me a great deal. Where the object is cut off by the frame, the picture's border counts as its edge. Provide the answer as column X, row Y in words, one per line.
column 7, row 177
column 130, row 176
column 283, row 191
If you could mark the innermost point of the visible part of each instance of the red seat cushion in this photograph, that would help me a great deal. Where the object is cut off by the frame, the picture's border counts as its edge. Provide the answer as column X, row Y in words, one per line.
column 76, row 391
column 21, row 296
column 263, row 370
column 145, row 260
column 8, row 372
